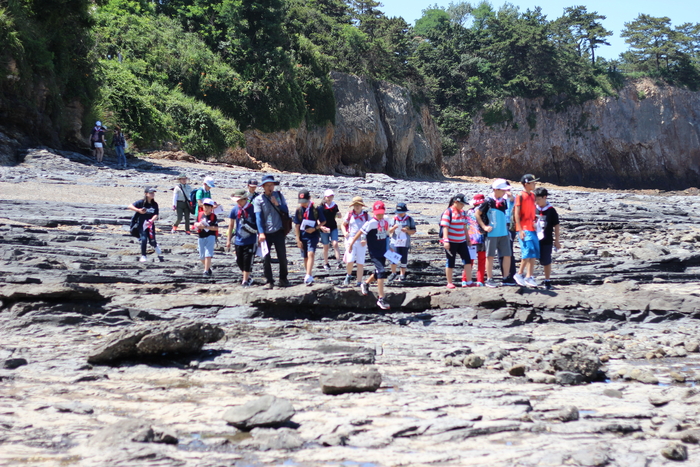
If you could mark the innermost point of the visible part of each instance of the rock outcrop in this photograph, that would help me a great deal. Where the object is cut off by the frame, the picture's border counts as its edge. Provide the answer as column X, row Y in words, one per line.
column 378, row 128
column 647, row 136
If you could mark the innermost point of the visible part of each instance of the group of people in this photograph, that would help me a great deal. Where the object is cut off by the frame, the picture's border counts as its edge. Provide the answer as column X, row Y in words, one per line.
column 98, row 143
column 476, row 230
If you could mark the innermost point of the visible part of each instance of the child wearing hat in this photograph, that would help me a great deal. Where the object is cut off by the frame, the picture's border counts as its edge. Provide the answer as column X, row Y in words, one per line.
column 308, row 223
column 144, row 222
column 454, row 237
column 401, row 227
column 476, row 238
column 525, row 214
column 331, row 212
column 207, row 227
column 246, row 238
column 547, row 225
column 204, row 192
column 376, row 231
column 352, row 223
column 181, row 202
column 252, row 187
column 491, row 215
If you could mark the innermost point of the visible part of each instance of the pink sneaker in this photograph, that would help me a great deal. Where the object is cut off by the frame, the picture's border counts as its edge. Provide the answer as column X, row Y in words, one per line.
column 451, row 286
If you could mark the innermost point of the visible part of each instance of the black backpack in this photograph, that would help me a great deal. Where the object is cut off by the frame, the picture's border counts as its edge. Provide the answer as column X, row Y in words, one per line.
column 193, row 200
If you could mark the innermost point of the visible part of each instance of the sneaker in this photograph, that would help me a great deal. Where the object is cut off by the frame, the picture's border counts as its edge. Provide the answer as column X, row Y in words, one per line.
column 285, row 283
column 309, row 280
column 509, row 281
column 346, row 281
column 491, row 283
column 208, row 272
column 479, row 284
column 326, row 267
column 548, row 285
column 268, row 286
column 464, row 283
column 381, row 304
column 249, row 282
column 341, row 265
column 144, row 259
column 358, row 284
column 158, row 251
column 520, row 280
column 401, row 278
column 451, row 286
column 364, row 290
column 469, row 284
column 173, row 230
column 391, row 277
column 187, row 232
column 531, row 282
column 245, row 284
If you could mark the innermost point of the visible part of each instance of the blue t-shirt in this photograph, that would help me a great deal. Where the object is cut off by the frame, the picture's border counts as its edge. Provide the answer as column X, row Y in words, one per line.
column 309, row 213
column 245, row 225
column 495, row 210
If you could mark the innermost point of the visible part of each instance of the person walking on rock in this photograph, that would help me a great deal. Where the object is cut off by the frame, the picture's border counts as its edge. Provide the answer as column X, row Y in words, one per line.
column 271, row 212
column 455, row 238
column 329, row 239
column 309, row 223
column 97, row 141
column 204, row 192
column 207, row 227
column 492, row 219
column 352, row 223
column 181, row 203
column 476, row 238
column 376, row 231
column 145, row 217
column 243, row 217
column 401, row 227
column 119, row 145
column 525, row 214
column 547, row 226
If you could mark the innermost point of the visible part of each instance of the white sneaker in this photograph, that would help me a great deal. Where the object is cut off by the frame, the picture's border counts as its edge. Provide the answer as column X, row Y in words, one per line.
column 309, row 280
column 144, row 259
column 158, row 252
column 520, row 280
column 364, row 290
column 531, row 282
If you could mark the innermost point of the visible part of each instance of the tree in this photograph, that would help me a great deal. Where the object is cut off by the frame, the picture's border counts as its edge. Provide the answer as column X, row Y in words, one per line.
column 586, row 30
column 431, row 19
column 650, row 39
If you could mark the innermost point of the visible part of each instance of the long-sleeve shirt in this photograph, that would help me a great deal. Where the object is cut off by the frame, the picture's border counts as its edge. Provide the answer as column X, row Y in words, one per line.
column 178, row 194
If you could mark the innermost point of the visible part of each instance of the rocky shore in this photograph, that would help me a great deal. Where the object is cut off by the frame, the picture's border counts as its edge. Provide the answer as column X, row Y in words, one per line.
column 108, row 361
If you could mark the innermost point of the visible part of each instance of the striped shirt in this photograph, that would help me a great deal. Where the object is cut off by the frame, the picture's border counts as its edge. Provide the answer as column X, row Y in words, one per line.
column 455, row 222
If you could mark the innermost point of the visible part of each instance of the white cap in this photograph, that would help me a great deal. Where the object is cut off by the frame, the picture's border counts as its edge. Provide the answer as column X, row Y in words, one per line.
column 208, row 201
column 210, row 182
column 98, row 123
column 500, row 184
column 328, row 193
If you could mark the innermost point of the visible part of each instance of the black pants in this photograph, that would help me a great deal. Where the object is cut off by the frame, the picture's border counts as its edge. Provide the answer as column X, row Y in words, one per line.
column 276, row 239
column 244, row 257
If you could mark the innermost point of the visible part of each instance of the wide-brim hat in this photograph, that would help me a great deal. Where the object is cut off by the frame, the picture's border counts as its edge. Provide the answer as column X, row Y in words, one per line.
column 181, row 176
column 401, row 207
column 239, row 195
column 357, row 201
column 269, row 179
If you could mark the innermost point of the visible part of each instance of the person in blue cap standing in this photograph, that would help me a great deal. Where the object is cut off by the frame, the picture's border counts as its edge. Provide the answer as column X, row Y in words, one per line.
column 271, row 212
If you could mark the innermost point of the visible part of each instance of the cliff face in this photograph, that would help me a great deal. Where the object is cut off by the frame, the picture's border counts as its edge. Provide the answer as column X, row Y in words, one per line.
column 649, row 136
column 378, row 129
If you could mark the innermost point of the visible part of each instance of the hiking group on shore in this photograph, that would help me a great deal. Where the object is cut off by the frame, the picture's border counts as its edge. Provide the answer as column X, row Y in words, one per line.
column 476, row 230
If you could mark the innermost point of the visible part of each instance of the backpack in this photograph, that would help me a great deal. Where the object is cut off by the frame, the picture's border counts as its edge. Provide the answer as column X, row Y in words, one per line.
column 475, row 234
column 193, row 200
column 441, row 227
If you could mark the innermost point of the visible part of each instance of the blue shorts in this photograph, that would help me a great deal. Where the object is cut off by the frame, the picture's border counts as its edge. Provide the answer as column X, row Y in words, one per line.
column 530, row 247
column 308, row 245
column 206, row 246
column 327, row 237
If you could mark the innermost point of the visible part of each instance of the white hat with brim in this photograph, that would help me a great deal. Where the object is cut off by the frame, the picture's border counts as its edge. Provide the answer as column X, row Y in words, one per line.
column 500, row 184
column 208, row 201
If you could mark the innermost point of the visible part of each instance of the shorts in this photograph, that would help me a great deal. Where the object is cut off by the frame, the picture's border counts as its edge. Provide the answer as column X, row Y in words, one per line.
column 379, row 266
column 403, row 251
column 358, row 254
column 308, row 245
column 327, row 237
column 98, row 145
column 461, row 249
column 206, row 246
column 530, row 247
column 500, row 244
column 546, row 254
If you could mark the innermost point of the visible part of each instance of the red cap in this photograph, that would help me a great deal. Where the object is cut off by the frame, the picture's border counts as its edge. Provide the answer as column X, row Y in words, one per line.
column 478, row 199
column 378, row 207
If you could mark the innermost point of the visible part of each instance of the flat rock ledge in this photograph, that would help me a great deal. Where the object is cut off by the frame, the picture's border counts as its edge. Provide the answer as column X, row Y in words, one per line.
column 182, row 336
column 264, row 412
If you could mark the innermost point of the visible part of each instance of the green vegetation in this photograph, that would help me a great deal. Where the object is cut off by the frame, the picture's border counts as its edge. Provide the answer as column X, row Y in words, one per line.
column 199, row 72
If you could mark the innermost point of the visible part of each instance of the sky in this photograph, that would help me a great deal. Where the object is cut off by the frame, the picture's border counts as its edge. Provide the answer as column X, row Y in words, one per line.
column 618, row 12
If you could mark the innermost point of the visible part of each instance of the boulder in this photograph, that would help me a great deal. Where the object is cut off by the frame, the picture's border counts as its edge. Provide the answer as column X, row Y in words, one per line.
column 182, row 336
column 675, row 451
column 577, row 358
column 266, row 411
column 342, row 381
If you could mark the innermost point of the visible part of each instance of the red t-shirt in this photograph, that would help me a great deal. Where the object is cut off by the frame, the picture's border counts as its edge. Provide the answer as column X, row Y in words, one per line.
column 526, row 201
